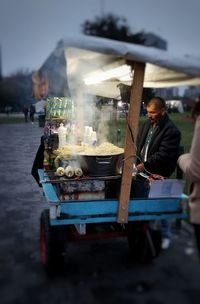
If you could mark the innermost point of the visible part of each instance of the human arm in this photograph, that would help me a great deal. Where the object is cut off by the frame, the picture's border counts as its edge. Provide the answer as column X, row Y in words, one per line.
column 140, row 167
column 38, row 162
column 190, row 162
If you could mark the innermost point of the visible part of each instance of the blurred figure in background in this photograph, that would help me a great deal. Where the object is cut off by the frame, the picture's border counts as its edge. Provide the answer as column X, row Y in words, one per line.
column 32, row 113
column 196, row 109
column 25, row 111
column 8, row 110
column 190, row 165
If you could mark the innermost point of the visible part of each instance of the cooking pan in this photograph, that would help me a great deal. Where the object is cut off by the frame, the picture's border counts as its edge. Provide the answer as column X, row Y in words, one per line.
column 106, row 165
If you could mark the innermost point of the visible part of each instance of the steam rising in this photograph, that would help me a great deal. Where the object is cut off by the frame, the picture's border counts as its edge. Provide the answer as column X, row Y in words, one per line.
column 86, row 111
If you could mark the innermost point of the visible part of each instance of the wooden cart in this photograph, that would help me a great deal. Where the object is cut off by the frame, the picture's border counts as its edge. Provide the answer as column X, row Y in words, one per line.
column 58, row 222
column 71, row 220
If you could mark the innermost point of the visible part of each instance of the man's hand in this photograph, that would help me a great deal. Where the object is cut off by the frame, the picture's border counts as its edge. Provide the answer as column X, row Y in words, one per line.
column 140, row 167
column 153, row 177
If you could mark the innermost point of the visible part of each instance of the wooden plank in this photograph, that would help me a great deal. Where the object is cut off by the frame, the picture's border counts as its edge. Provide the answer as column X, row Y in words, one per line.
column 111, row 219
column 85, row 212
column 131, row 135
column 107, row 207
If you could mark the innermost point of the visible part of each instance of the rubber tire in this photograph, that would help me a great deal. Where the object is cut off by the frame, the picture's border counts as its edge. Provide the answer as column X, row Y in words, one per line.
column 52, row 245
column 144, row 242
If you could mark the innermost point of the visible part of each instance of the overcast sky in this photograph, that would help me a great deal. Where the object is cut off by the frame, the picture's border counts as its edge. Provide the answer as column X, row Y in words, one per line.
column 30, row 29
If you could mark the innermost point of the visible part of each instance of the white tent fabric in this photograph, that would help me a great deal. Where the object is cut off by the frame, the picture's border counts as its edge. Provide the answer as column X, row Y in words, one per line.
column 87, row 54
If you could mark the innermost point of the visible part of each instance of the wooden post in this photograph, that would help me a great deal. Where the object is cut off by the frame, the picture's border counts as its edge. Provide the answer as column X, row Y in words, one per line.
column 130, row 142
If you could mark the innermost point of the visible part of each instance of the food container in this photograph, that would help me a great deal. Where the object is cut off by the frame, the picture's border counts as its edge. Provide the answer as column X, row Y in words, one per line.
column 106, row 165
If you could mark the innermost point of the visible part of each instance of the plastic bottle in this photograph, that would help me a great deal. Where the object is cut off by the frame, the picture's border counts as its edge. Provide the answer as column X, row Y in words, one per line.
column 118, row 136
column 62, row 132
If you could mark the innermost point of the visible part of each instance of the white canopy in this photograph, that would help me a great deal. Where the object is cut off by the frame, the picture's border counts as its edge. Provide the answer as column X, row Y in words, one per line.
column 89, row 56
column 91, row 63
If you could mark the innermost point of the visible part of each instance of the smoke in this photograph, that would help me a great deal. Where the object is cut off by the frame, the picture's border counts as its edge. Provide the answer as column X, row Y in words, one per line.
column 103, row 131
column 87, row 109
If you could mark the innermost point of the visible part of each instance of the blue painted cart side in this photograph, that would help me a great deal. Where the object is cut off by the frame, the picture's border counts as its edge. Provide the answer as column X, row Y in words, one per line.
column 99, row 211
column 48, row 188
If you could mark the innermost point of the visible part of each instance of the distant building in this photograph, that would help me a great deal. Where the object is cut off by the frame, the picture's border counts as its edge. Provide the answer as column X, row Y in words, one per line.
column 54, row 68
column 167, row 93
column 192, row 91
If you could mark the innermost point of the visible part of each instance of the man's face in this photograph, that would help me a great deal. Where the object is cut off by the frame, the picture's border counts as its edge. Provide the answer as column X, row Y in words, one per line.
column 154, row 114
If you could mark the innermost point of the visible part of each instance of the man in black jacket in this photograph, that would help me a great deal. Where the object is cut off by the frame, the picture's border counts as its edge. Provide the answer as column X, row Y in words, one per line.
column 158, row 148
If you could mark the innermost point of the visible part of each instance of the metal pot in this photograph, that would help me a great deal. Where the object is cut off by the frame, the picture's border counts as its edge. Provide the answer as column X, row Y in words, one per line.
column 106, row 165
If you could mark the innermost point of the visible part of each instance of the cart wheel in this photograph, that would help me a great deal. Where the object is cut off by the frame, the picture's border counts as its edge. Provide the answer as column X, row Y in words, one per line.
column 52, row 244
column 144, row 242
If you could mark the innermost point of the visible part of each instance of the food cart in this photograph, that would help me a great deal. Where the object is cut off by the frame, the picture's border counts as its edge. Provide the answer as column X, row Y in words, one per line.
column 100, row 202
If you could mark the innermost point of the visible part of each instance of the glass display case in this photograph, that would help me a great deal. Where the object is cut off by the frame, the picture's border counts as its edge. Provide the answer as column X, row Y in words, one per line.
column 59, row 108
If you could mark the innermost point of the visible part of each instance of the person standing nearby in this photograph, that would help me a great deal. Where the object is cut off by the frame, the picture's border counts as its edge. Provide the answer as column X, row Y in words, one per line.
column 25, row 111
column 158, row 146
column 196, row 109
column 32, row 113
column 189, row 163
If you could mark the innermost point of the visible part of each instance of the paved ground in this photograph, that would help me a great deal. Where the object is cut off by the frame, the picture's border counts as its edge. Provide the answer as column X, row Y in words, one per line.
column 98, row 271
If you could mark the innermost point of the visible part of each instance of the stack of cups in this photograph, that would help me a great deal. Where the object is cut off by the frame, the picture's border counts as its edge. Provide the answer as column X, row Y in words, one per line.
column 62, row 133
column 90, row 136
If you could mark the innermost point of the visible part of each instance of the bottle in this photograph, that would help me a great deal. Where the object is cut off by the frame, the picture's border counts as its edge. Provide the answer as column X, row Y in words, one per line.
column 119, row 136
column 46, row 163
column 62, row 136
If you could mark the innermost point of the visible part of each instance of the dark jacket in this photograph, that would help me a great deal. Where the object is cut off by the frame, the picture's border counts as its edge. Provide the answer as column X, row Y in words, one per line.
column 163, row 149
column 38, row 161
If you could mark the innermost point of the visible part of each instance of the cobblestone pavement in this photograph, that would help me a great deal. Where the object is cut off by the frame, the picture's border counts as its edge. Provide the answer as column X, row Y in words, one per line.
column 98, row 271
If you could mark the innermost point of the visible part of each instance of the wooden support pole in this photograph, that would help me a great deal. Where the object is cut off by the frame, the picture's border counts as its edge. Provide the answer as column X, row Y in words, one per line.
column 130, row 141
